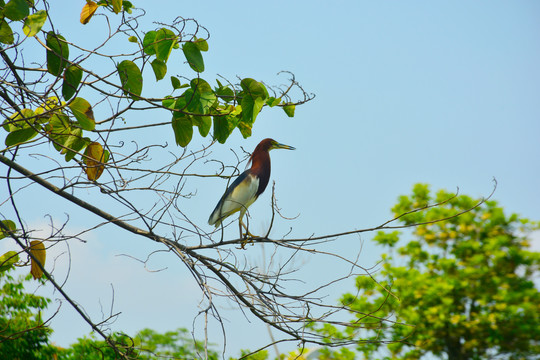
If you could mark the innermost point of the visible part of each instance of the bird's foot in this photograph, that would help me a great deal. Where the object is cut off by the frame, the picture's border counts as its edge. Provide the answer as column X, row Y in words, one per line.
column 247, row 239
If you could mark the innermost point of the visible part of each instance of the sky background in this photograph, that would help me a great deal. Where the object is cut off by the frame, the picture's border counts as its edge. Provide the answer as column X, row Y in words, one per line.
column 444, row 93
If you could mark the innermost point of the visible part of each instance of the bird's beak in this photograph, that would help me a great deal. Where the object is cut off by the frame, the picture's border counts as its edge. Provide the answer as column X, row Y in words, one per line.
column 282, row 146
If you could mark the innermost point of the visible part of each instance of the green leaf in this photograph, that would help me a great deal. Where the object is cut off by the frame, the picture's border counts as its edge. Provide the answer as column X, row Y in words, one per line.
column 254, row 88
column 148, row 43
column 130, row 78
column 8, row 259
column 16, row 10
column 72, row 79
column 127, row 6
column 83, row 113
column 272, row 101
column 168, row 102
column 201, row 86
column 106, row 155
column 59, row 128
column 193, row 56
column 77, row 143
column 10, row 225
column 245, row 129
column 133, row 39
column 163, row 43
column 251, row 106
column 254, row 95
column 66, row 138
column 204, row 123
column 58, row 55
column 183, row 130
column 175, row 82
column 250, row 109
column 71, row 140
column 180, row 104
column 34, row 23
column 201, row 44
column 6, row 34
column 20, row 136
column 201, row 99
column 289, row 109
column 19, row 120
column 160, row 69
column 225, row 93
column 221, row 131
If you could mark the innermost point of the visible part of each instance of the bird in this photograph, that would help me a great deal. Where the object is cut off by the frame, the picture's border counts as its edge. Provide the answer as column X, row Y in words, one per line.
column 247, row 187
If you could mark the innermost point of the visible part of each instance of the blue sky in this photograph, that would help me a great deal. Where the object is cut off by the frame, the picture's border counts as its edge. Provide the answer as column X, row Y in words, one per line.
column 445, row 93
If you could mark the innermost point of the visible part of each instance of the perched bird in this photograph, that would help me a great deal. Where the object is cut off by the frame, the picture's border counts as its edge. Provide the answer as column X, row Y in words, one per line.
column 247, row 187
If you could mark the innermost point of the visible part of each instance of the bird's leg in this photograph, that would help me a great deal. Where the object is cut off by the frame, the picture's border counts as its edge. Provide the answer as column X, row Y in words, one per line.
column 240, row 229
column 246, row 235
column 247, row 231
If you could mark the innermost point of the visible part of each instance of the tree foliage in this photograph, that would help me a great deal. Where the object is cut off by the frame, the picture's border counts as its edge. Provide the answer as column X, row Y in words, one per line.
column 461, row 288
column 23, row 334
column 146, row 344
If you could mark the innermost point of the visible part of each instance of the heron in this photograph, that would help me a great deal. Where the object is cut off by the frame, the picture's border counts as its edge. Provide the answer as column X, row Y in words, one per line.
column 247, row 187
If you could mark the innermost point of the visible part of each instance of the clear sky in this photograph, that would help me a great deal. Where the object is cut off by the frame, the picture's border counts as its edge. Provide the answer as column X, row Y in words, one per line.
column 445, row 93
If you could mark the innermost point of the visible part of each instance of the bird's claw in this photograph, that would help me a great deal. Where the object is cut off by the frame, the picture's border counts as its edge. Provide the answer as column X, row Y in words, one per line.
column 247, row 239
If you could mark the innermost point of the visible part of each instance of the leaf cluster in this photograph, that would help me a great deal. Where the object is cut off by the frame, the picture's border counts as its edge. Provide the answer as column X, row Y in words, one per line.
column 461, row 287
column 70, row 124
column 59, row 94
column 22, row 331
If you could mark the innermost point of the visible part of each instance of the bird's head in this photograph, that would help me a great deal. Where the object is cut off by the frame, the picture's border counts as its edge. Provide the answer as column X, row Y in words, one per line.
column 264, row 147
column 270, row 144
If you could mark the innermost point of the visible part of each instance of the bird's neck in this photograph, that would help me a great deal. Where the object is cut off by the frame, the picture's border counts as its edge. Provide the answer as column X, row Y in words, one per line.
column 260, row 166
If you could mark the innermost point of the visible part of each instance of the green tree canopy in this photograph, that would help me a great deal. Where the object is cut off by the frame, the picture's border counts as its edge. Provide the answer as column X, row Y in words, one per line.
column 146, row 344
column 23, row 334
column 461, row 288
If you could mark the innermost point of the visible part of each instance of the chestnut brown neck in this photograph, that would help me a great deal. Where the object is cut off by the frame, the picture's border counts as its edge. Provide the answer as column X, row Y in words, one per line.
column 260, row 165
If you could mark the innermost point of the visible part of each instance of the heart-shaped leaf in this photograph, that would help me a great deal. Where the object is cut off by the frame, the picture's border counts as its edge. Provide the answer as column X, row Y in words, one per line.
column 160, row 69
column 8, row 259
column 164, row 42
column 6, row 34
column 72, row 79
column 193, row 56
column 58, row 55
column 183, row 129
column 10, row 225
column 130, row 78
column 34, row 23
column 82, row 110
column 16, row 10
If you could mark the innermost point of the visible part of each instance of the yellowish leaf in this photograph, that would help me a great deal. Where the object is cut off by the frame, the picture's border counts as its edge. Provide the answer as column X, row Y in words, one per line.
column 93, row 160
column 37, row 249
column 117, row 6
column 455, row 319
column 88, row 11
